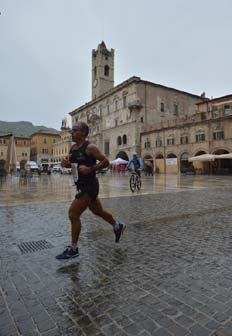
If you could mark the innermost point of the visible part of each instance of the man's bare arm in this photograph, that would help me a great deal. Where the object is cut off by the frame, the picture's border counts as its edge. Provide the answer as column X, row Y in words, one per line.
column 95, row 152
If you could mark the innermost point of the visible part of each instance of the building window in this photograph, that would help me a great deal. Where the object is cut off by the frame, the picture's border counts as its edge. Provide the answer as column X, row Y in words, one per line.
column 76, row 119
column 184, row 139
column 158, row 142
column 226, row 110
column 124, row 101
column 15, row 141
column 116, row 122
column 119, row 141
column 124, row 139
column 141, row 119
column 24, row 142
column 108, row 108
column 45, row 140
column 170, row 141
column 203, row 116
column 106, row 70
column 215, row 113
column 45, row 151
column 107, row 148
column 161, row 107
column 1, row 153
column 147, row 144
column 116, row 105
column 200, row 137
column 218, row 135
column 175, row 109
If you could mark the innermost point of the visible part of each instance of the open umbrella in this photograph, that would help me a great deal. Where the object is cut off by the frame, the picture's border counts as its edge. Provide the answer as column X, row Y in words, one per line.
column 118, row 161
column 224, row 156
column 203, row 158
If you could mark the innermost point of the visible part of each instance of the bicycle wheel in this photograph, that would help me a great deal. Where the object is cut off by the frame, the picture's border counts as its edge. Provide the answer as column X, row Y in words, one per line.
column 132, row 183
column 138, row 182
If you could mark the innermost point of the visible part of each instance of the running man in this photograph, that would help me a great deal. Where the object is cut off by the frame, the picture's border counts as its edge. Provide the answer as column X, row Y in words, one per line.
column 83, row 157
column 137, row 163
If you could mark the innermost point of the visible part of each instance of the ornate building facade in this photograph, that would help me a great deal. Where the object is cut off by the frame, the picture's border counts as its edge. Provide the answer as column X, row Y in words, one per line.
column 118, row 116
column 171, row 143
column 42, row 143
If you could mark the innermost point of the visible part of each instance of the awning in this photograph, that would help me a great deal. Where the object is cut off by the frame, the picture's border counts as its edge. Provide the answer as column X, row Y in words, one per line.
column 203, row 158
column 118, row 161
column 224, row 156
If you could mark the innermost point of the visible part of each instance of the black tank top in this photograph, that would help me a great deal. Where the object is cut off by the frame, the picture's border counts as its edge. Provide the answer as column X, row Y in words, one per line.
column 80, row 157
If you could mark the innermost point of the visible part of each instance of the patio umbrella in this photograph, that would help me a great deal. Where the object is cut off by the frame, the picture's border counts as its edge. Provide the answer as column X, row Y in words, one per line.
column 203, row 158
column 224, row 156
column 12, row 155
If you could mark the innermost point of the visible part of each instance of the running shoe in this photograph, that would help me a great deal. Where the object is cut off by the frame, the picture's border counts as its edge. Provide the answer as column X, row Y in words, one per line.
column 68, row 253
column 119, row 231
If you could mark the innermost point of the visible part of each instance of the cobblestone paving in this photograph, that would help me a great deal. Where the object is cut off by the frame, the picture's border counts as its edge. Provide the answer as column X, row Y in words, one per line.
column 170, row 275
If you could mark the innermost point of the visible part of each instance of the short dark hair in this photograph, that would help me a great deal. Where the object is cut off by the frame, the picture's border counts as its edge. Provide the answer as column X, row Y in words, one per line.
column 84, row 128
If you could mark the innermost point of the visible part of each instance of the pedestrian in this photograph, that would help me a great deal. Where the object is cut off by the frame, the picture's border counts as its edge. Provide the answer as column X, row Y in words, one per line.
column 83, row 158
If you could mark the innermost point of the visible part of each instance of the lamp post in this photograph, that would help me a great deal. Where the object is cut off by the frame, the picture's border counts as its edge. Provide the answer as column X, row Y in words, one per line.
column 164, row 146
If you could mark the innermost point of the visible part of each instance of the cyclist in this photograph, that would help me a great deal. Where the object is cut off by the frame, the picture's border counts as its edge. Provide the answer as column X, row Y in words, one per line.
column 137, row 163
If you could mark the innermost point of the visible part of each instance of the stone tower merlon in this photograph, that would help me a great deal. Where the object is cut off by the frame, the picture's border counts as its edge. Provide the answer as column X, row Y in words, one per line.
column 102, row 70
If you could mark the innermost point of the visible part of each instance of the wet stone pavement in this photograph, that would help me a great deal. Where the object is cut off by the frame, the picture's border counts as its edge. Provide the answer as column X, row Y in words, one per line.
column 171, row 274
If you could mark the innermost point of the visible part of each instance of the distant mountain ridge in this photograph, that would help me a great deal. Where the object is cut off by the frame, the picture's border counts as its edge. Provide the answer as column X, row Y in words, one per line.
column 22, row 128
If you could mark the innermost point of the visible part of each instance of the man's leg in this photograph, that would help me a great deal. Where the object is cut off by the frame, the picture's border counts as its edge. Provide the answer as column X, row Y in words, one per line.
column 77, row 207
column 119, row 227
column 97, row 209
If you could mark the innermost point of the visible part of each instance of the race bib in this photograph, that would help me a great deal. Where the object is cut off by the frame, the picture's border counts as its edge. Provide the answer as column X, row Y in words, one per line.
column 74, row 167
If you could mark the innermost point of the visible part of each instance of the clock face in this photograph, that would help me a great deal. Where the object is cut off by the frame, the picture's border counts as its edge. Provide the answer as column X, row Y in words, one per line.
column 95, row 83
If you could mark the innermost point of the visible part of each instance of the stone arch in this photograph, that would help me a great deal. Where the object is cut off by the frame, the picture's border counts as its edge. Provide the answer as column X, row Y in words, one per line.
column 220, row 151
column 171, row 156
column 200, row 152
column 159, row 156
column 122, row 155
column 148, row 164
column 184, row 163
column 221, row 166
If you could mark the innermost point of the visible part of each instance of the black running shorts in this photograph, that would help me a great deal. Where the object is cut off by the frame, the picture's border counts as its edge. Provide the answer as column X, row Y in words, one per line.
column 92, row 189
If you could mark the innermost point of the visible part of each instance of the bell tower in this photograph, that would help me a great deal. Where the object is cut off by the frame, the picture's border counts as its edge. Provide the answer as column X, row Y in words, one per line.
column 102, row 70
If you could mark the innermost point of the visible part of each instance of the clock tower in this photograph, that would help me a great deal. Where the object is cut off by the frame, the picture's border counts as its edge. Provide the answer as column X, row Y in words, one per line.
column 102, row 70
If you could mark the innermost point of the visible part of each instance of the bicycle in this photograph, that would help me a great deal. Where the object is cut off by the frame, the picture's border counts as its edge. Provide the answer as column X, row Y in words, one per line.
column 135, row 181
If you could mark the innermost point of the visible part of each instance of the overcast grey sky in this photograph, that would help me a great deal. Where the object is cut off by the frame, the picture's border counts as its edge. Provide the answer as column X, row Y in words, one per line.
column 45, row 52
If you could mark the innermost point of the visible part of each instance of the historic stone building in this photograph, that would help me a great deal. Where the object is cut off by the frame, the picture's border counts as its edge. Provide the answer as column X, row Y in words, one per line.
column 22, row 144
column 118, row 115
column 62, row 147
column 208, row 131
column 42, row 145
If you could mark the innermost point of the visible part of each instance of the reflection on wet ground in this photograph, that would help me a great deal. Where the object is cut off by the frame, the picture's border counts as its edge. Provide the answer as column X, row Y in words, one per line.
column 15, row 190
column 169, row 275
